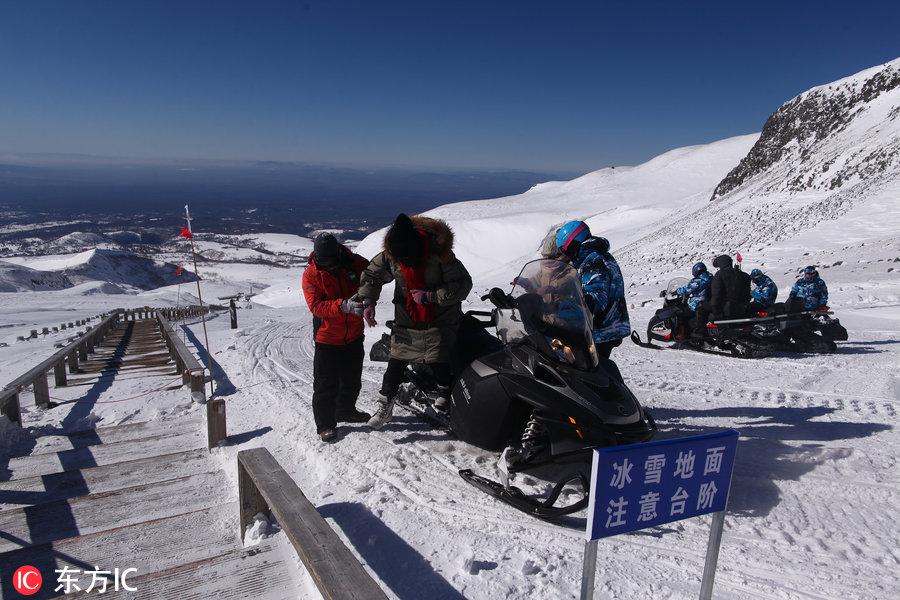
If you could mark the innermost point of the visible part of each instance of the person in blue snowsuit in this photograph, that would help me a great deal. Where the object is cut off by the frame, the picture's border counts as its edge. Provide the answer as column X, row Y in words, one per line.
column 811, row 289
column 697, row 289
column 601, row 283
column 765, row 293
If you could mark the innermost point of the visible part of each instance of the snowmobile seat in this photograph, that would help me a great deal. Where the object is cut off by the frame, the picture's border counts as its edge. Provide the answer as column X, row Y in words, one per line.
column 473, row 341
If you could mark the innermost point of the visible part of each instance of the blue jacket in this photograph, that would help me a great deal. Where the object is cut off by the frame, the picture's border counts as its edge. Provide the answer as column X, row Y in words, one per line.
column 604, row 290
column 813, row 291
column 697, row 290
column 766, row 292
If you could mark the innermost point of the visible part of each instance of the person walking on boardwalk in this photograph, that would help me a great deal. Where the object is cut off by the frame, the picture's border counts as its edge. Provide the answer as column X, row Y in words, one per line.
column 329, row 283
column 431, row 284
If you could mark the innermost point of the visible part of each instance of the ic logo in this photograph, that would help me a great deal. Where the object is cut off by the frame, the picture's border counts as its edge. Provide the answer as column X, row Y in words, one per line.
column 27, row 580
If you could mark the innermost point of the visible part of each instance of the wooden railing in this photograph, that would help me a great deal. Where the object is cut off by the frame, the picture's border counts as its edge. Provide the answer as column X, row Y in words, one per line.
column 193, row 374
column 264, row 486
column 36, row 377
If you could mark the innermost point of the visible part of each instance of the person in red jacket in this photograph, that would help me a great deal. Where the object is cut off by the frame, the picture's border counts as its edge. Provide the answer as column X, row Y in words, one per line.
column 329, row 282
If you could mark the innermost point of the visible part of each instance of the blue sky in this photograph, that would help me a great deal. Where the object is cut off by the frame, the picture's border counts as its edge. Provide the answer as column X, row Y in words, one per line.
column 570, row 86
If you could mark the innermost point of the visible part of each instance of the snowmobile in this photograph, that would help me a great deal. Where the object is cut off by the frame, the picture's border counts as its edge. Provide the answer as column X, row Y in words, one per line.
column 785, row 327
column 535, row 390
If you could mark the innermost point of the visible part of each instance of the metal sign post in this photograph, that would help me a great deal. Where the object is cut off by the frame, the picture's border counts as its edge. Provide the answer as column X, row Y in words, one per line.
column 589, row 570
column 646, row 485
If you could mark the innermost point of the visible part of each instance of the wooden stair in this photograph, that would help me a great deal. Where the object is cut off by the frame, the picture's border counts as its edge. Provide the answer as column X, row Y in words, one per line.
column 142, row 495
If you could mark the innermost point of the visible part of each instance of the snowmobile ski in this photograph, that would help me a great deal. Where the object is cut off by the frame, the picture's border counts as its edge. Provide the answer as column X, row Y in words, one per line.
column 542, row 509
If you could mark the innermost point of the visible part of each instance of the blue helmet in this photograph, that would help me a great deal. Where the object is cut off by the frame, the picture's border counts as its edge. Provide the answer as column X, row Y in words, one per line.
column 756, row 274
column 810, row 272
column 569, row 233
column 697, row 269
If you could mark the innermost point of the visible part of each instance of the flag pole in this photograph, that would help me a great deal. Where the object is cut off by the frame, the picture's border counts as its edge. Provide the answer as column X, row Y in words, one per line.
column 187, row 215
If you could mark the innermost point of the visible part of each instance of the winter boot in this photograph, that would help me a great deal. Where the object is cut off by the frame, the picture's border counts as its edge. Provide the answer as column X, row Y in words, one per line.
column 352, row 416
column 383, row 415
column 328, row 435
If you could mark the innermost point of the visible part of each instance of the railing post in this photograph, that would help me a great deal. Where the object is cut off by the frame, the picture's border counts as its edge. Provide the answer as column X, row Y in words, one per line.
column 59, row 372
column 73, row 361
column 41, row 391
column 82, row 351
column 198, row 387
column 215, row 421
column 11, row 409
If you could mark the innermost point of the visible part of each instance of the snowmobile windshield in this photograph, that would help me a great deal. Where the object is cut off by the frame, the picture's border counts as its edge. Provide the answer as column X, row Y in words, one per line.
column 674, row 284
column 550, row 314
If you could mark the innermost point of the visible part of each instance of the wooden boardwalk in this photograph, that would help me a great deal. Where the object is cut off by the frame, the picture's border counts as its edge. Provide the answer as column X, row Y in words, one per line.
column 146, row 495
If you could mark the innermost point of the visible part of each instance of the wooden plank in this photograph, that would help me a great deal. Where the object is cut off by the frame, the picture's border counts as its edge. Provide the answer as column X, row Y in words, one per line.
column 32, row 525
column 58, row 442
column 46, row 365
column 190, row 362
column 105, row 454
column 81, row 482
column 145, row 546
column 263, row 572
column 333, row 567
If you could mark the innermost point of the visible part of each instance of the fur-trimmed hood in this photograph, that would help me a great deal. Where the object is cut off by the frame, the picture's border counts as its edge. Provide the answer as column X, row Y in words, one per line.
column 441, row 237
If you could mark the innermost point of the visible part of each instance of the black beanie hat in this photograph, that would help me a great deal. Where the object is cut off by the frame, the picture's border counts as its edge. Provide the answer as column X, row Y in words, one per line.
column 722, row 261
column 403, row 241
column 327, row 250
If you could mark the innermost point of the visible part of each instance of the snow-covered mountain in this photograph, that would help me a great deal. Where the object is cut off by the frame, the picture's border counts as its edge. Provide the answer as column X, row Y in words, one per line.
column 824, row 178
column 824, row 175
column 123, row 270
column 18, row 278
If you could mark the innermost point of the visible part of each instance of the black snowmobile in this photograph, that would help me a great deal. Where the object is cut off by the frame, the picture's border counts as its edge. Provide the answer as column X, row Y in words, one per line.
column 785, row 327
column 537, row 390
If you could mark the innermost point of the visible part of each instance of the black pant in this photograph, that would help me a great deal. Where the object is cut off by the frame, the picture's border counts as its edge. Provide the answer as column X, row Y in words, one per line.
column 604, row 349
column 393, row 376
column 704, row 310
column 337, row 375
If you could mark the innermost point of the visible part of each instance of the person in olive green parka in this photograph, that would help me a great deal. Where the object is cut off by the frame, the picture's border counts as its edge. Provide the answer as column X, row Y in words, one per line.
column 431, row 284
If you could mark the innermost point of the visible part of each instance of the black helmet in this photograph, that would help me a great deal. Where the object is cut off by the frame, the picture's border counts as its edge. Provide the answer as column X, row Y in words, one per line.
column 698, row 268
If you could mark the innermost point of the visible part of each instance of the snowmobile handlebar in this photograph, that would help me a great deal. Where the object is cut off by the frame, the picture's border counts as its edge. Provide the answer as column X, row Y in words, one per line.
column 499, row 298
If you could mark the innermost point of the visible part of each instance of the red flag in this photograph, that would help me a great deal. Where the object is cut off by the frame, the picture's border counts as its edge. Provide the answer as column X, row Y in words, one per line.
column 186, row 233
column 739, row 257
column 178, row 270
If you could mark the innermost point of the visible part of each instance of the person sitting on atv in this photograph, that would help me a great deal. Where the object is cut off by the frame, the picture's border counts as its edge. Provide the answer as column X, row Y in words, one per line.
column 697, row 289
column 764, row 293
column 431, row 284
column 601, row 282
column 729, row 295
column 810, row 289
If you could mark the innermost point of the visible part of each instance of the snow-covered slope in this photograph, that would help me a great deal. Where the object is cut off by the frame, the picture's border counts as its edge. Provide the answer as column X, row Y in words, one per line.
column 621, row 203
